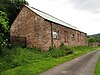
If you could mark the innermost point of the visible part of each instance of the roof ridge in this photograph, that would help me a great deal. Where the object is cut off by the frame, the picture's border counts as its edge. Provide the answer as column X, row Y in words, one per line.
column 46, row 14
column 53, row 17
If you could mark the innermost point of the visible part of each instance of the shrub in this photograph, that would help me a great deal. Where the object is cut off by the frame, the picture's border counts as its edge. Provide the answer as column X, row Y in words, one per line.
column 3, row 43
column 91, row 39
column 57, row 53
column 67, row 50
column 61, row 51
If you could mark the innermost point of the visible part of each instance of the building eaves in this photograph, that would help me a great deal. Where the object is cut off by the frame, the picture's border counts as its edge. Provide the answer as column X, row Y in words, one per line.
column 51, row 18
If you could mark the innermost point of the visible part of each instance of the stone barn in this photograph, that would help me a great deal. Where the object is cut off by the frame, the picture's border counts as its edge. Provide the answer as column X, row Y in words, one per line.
column 33, row 27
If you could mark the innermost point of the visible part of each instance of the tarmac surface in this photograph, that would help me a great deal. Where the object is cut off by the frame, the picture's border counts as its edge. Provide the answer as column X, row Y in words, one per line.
column 83, row 65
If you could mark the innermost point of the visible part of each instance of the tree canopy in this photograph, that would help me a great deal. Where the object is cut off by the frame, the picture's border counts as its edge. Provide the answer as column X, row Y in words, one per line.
column 96, row 36
column 4, row 27
column 91, row 39
column 11, row 8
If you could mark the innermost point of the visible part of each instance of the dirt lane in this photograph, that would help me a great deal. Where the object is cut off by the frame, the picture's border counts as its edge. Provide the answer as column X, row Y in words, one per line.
column 83, row 65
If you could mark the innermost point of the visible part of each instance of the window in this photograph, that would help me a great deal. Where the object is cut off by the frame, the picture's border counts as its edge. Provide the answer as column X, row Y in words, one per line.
column 55, row 35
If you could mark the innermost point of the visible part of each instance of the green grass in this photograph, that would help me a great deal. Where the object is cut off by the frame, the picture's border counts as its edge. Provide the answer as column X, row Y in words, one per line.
column 97, row 69
column 38, row 62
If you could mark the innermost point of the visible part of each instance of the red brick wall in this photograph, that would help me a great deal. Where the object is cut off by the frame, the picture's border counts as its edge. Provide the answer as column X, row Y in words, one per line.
column 37, row 31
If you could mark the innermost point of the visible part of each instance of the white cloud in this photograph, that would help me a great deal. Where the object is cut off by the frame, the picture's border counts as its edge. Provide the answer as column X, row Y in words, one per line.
column 89, row 5
column 64, row 9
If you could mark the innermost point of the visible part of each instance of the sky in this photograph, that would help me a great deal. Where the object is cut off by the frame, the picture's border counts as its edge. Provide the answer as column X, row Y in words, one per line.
column 83, row 14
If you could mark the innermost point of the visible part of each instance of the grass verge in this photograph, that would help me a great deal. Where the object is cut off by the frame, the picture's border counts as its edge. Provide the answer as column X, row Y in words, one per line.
column 97, row 69
column 43, row 63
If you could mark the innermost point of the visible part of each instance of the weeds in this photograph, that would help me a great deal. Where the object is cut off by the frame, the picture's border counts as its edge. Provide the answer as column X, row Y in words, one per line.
column 19, row 56
column 35, row 60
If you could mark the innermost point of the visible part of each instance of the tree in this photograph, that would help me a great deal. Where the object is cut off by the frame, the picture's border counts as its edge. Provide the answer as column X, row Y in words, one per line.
column 4, row 29
column 91, row 39
column 12, row 8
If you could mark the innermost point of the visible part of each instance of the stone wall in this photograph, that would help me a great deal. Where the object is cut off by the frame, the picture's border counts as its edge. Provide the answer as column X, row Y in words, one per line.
column 34, row 28
column 68, row 36
column 37, row 31
column 94, row 44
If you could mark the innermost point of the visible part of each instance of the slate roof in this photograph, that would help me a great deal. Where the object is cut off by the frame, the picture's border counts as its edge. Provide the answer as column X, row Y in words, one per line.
column 51, row 18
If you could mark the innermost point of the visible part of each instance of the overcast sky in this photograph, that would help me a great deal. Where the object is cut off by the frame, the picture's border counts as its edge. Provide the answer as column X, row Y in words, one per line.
column 84, row 14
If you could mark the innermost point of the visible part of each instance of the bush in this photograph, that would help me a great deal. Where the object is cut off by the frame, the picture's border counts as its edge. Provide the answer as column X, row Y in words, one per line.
column 61, row 51
column 3, row 44
column 57, row 53
column 67, row 50
column 91, row 39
